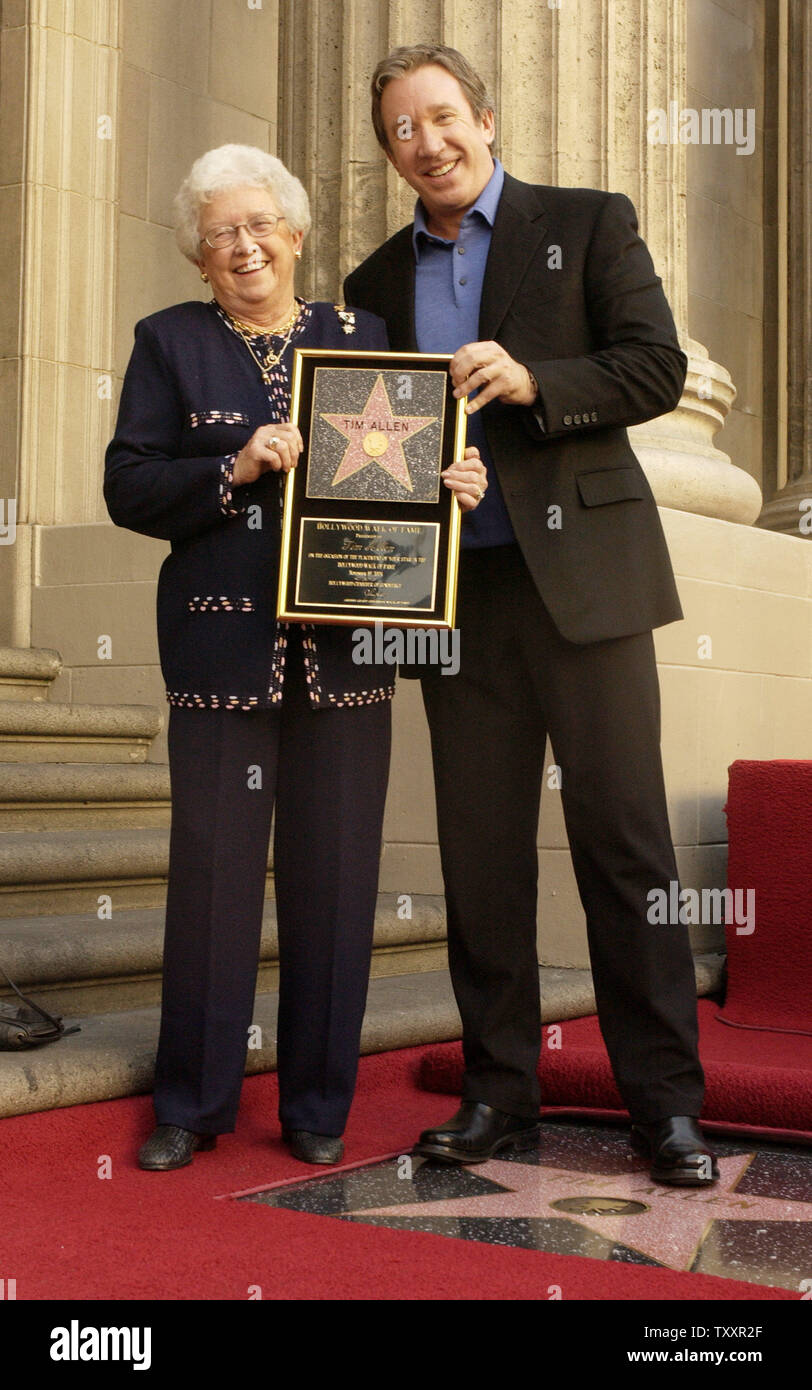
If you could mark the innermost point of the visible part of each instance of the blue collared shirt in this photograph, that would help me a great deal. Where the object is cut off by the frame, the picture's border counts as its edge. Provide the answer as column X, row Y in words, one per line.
column 448, row 290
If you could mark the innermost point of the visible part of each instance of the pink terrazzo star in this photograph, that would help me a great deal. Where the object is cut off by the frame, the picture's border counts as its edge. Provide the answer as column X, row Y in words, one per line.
column 670, row 1231
column 376, row 436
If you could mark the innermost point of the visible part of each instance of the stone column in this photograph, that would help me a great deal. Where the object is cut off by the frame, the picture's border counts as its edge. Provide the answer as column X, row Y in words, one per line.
column 575, row 111
column 573, row 86
column 59, row 110
column 791, row 509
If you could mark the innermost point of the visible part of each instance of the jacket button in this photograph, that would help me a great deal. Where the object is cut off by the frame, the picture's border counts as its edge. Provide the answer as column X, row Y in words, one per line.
column 567, row 419
column 594, row 415
column 577, row 419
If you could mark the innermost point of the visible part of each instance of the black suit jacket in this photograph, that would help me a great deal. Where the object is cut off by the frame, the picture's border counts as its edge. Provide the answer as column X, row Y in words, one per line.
column 570, row 291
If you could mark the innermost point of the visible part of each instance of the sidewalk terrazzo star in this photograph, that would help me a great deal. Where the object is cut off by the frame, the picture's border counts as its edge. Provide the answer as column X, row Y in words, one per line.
column 670, row 1230
column 376, row 435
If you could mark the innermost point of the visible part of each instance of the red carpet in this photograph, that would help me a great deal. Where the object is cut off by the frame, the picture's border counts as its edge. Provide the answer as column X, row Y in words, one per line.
column 752, row 1089
column 68, row 1233
column 769, row 813
column 759, row 1072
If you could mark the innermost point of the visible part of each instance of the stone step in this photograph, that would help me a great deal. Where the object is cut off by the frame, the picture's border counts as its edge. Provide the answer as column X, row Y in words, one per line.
column 36, row 733
column 68, row 870
column 79, row 964
column 27, row 674
column 114, row 1054
column 68, row 796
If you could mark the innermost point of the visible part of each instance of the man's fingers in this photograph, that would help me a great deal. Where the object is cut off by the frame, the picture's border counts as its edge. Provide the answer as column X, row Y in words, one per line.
column 490, row 371
column 493, row 388
column 471, row 358
column 490, row 380
column 478, row 378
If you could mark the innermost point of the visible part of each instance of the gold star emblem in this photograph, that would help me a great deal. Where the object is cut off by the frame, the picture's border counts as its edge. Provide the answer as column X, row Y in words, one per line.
column 376, row 435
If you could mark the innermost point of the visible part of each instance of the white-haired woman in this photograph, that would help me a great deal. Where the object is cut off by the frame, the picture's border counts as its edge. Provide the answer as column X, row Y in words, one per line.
column 262, row 714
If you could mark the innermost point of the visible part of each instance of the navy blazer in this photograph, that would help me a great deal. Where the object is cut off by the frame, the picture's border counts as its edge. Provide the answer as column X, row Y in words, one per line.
column 192, row 397
column 570, row 291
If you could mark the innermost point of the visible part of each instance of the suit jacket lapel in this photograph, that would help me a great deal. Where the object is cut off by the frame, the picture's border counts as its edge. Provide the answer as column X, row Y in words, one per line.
column 400, row 306
column 517, row 234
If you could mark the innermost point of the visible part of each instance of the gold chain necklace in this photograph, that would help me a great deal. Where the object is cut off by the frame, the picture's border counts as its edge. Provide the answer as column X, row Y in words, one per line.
column 258, row 327
column 273, row 359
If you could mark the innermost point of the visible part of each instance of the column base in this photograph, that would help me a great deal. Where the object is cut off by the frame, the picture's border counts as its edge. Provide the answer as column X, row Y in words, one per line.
column 685, row 469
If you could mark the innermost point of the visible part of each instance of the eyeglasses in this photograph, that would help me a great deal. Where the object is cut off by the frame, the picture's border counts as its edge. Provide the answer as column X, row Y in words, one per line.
column 264, row 224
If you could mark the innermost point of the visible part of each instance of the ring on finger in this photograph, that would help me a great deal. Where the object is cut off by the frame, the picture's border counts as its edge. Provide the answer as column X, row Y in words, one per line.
column 272, row 442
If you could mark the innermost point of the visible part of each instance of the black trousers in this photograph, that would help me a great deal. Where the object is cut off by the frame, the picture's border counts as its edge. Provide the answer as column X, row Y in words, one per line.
column 518, row 681
column 327, row 771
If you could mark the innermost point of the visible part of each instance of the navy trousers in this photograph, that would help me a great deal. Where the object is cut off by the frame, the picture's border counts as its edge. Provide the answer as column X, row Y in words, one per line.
column 600, row 703
column 326, row 772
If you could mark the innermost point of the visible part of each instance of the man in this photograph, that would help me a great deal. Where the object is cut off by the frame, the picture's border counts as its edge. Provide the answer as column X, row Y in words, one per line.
column 561, row 337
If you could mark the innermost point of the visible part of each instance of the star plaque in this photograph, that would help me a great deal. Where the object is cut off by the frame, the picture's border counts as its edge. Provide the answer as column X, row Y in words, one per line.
column 373, row 454
column 369, row 531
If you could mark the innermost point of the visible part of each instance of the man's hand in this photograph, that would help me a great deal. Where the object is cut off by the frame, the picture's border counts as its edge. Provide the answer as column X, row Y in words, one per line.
column 273, row 448
column 467, row 479
column 487, row 365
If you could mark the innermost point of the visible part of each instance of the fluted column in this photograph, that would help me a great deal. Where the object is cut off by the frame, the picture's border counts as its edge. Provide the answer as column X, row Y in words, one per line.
column 60, row 105
column 69, row 263
column 791, row 509
column 575, row 111
column 573, row 86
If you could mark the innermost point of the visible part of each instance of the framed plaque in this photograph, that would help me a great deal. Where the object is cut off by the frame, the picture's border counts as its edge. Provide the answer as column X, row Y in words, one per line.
column 370, row 533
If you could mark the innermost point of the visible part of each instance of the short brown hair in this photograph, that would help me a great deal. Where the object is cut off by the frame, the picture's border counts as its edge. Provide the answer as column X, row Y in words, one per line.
column 419, row 55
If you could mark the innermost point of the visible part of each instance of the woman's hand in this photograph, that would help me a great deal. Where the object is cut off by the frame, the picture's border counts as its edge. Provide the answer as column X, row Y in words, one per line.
column 273, row 447
column 468, row 479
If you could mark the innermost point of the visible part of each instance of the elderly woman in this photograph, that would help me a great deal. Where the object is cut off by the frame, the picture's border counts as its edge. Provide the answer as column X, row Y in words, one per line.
column 263, row 714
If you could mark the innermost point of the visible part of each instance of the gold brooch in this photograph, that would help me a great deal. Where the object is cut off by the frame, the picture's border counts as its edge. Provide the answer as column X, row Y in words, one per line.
column 347, row 319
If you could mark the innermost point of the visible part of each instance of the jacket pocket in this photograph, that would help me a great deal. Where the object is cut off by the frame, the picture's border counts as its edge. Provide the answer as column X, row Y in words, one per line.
column 611, row 485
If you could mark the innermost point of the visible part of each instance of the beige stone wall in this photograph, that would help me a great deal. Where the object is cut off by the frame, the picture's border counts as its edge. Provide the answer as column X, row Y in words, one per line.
column 726, row 213
column 59, row 104
column 736, row 682
column 13, row 41
column 90, row 250
column 190, row 75
column 195, row 74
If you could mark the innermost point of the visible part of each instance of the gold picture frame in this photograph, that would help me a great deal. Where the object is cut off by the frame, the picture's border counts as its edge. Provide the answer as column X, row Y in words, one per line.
column 369, row 531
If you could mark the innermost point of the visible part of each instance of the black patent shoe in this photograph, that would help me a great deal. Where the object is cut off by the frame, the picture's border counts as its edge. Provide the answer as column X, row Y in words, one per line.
column 169, row 1146
column 313, row 1148
column 678, row 1151
column 476, row 1133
